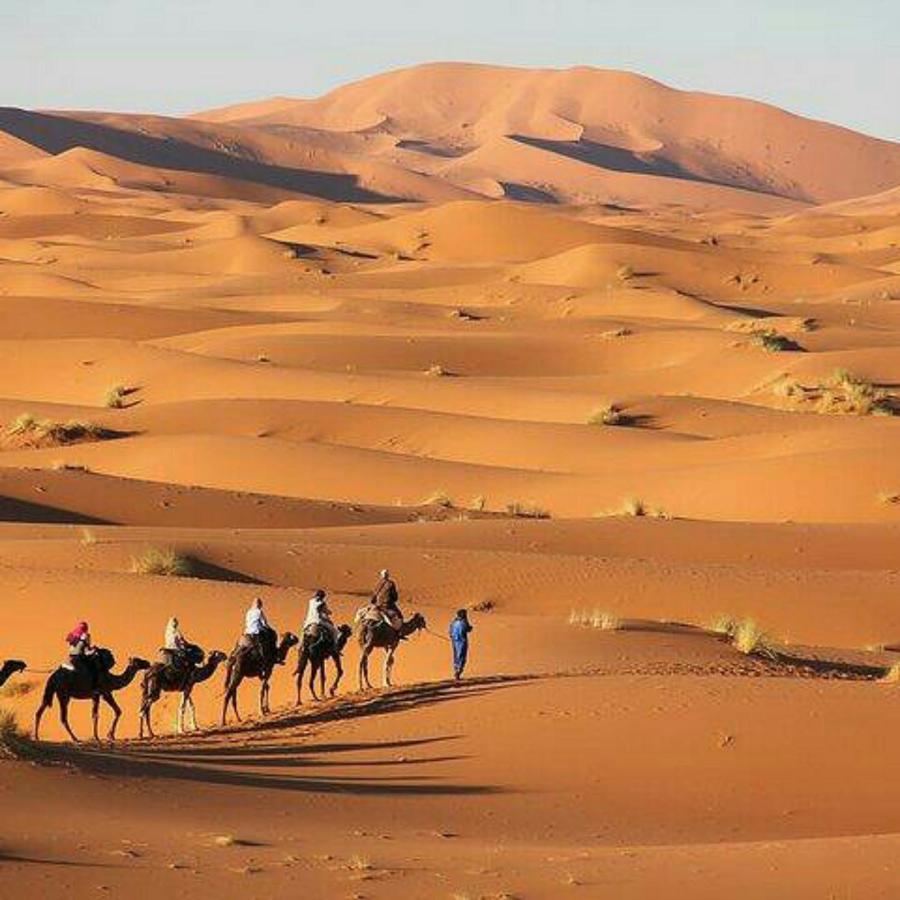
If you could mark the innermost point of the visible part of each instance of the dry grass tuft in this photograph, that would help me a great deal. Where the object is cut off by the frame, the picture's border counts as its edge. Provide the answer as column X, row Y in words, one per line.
column 359, row 863
column 608, row 414
column 772, row 342
column 891, row 674
column 438, row 498
column 526, row 510
column 625, row 273
column 724, row 624
column 163, row 561
column 437, row 371
column 27, row 430
column 846, row 394
column 115, row 396
column 605, row 621
column 634, row 507
column 889, row 497
column 749, row 638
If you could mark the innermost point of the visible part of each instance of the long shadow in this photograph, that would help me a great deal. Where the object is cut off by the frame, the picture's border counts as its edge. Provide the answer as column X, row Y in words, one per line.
column 196, row 764
column 56, row 134
column 619, row 159
column 14, row 510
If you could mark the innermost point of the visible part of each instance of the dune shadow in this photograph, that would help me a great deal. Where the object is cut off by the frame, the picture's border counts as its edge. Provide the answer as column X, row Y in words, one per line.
column 15, row 510
column 57, row 133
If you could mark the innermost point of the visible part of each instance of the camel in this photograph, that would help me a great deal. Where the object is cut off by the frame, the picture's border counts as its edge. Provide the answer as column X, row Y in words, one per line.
column 160, row 678
column 9, row 668
column 316, row 653
column 67, row 684
column 374, row 634
column 243, row 664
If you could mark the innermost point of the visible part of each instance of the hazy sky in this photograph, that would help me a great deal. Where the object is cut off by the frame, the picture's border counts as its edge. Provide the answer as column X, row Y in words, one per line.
column 831, row 59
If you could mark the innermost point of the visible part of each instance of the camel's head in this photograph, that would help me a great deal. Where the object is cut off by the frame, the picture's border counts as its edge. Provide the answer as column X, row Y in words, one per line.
column 289, row 639
column 345, row 631
column 217, row 656
column 418, row 621
column 137, row 664
column 14, row 665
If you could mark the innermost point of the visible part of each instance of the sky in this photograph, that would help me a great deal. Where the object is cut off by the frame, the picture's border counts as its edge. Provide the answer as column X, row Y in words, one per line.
column 829, row 59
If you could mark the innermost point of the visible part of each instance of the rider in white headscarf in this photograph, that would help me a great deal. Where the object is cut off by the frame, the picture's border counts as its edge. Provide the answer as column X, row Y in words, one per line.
column 318, row 613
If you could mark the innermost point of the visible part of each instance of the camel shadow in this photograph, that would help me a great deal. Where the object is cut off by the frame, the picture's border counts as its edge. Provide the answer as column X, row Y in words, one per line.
column 292, row 767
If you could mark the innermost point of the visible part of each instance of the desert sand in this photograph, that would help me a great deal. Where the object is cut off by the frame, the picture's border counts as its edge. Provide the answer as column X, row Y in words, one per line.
column 609, row 364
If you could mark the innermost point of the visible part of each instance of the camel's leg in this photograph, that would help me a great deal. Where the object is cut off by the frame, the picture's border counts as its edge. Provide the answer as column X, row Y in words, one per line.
column 388, row 666
column 37, row 719
column 117, row 714
column 338, row 674
column 364, row 668
column 264, row 697
column 187, row 705
column 301, row 669
column 64, row 716
column 322, row 676
column 95, row 714
column 313, row 672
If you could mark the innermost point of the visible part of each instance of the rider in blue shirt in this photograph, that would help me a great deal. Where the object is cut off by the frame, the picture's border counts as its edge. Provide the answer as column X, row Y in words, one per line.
column 459, row 637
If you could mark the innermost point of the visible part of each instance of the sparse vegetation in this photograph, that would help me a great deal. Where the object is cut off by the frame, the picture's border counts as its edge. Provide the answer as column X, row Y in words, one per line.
column 847, row 394
column 891, row 674
column 437, row 371
column 88, row 537
column 27, row 430
column 748, row 637
column 359, row 863
column 616, row 333
column 636, row 508
column 889, row 497
column 624, row 273
column 608, row 414
column 18, row 688
column 115, row 396
column 438, row 498
column 478, row 503
column 772, row 342
column 605, row 621
column 526, row 510
column 724, row 625
column 163, row 561
column 13, row 743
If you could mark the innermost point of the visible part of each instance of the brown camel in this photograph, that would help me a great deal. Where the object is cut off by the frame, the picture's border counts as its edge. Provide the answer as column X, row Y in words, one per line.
column 10, row 667
column 317, row 651
column 67, row 684
column 374, row 634
column 246, row 663
column 160, row 678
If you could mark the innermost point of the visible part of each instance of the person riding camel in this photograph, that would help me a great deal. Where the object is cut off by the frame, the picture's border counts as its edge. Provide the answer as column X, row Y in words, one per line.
column 174, row 644
column 81, row 650
column 384, row 601
column 258, row 633
column 318, row 617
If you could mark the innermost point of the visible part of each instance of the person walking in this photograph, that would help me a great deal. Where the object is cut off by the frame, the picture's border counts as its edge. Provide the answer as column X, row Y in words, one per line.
column 459, row 638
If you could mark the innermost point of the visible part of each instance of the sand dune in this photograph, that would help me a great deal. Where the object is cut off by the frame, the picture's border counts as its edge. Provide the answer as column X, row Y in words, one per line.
column 607, row 363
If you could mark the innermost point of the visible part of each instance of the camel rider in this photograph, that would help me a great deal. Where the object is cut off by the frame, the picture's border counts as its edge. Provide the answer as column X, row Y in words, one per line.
column 81, row 650
column 257, row 630
column 318, row 618
column 174, row 644
column 384, row 601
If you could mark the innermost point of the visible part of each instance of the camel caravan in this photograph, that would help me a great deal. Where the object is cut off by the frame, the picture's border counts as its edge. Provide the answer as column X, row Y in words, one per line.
column 88, row 673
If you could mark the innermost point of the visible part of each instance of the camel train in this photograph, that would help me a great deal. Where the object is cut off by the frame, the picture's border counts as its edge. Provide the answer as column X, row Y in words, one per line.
column 89, row 675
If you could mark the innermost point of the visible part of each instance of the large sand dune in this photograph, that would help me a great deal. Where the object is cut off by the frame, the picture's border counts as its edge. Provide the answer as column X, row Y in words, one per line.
column 566, row 348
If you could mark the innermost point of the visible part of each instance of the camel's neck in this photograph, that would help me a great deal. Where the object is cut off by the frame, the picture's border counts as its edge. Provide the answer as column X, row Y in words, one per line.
column 206, row 671
column 282, row 652
column 5, row 671
column 410, row 626
column 122, row 680
column 342, row 640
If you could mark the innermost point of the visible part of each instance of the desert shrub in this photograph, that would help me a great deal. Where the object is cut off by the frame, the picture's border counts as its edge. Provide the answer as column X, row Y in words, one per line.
column 526, row 510
column 163, row 561
column 608, row 414
column 889, row 497
column 605, row 621
column 772, row 341
column 847, row 394
column 624, row 273
column 438, row 498
column 115, row 397
column 437, row 371
column 892, row 674
column 634, row 507
column 28, row 430
column 724, row 624
column 748, row 638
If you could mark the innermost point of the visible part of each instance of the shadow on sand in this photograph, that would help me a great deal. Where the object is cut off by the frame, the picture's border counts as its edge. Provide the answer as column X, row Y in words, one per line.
column 287, row 763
